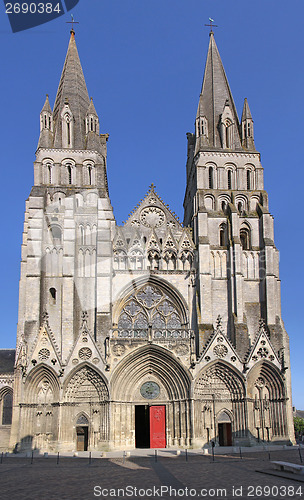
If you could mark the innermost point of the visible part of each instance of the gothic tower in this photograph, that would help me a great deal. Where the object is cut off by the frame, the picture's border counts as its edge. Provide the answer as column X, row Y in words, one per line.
column 65, row 285
column 226, row 206
column 152, row 333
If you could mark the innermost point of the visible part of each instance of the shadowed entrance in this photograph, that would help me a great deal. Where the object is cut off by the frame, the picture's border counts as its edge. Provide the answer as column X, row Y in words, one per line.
column 150, row 426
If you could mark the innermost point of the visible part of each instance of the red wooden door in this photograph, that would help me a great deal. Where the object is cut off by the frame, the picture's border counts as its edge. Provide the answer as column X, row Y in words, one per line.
column 157, row 427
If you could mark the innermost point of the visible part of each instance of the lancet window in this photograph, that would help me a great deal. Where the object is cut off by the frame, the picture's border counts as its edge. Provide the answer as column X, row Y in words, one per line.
column 248, row 180
column 7, row 406
column 210, row 178
column 245, row 238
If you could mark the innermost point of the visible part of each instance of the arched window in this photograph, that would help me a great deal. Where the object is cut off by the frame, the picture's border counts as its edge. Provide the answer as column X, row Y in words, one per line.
column 245, row 238
column 248, row 180
column 81, row 228
column 223, row 206
column 210, row 178
column 227, row 136
column 229, row 175
column 202, row 128
column 56, row 234
column 68, row 124
column 90, row 174
column 150, row 306
column 49, row 171
column 53, row 296
column 69, row 171
column 249, row 130
column 7, row 409
column 240, row 207
column 223, row 235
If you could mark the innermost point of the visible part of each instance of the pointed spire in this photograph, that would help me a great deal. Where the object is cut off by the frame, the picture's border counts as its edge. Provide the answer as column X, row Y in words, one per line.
column 72, row 87
column 46, row 107
column 214, row 99
column 46, row 125
column 246, row 115
column 247, row 128
column 91, row 109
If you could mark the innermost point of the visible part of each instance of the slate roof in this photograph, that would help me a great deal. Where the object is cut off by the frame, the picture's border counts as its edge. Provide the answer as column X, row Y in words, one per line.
column 72, row 87
column 7, row 360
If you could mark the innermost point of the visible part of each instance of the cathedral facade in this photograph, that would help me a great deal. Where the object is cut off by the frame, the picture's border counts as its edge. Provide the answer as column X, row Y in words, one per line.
column 155, row 333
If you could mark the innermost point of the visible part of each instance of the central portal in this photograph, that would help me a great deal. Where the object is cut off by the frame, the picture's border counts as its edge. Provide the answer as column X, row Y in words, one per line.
column 150, row 426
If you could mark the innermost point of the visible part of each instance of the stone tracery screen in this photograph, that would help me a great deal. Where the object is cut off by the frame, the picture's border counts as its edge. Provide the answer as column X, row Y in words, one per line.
column 149, row 306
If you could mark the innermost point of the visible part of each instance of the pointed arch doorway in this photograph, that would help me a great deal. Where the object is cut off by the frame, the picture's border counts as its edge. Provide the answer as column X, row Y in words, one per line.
column 82, row 434
column 224, row 429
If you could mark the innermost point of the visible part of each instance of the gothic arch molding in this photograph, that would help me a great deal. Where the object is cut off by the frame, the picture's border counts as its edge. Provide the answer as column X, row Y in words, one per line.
column 224, row 415
column 267, row 402
column 272, row 378
column 224, row 372
column 163, row 285
column 78, row 419
column 85, row 374
column 157, row 362
column 5, row 390
column 42, row 377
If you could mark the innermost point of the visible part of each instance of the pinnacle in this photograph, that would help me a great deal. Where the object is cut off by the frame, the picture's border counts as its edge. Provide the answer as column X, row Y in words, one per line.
column 46, row 106
column 246, row 115
column 91, row 109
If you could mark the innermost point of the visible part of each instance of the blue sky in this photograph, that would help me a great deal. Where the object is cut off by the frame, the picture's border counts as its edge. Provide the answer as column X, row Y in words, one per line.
column 143, row 63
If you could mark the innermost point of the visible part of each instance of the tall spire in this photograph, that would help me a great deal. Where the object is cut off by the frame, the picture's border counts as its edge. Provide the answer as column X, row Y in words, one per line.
column 216, row 106
column 72, row 98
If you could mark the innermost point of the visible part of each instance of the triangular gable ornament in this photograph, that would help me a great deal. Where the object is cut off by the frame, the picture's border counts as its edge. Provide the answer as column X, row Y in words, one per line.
column 45, row 350
column 262, row 349
column 85, row 349
column 220, row 349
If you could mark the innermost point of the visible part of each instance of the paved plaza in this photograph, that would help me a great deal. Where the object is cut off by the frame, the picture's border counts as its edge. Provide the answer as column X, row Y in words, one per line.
column 143, row 475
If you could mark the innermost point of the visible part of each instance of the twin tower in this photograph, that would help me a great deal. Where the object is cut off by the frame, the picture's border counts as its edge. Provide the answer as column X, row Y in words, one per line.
column 155, row 333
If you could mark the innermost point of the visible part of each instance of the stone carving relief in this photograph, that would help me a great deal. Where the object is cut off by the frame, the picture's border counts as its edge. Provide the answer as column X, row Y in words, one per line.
column 85, row 353
column 220, row 351
column 152, row 217
column 118, row 349
column 43, row 354
column 86, row 385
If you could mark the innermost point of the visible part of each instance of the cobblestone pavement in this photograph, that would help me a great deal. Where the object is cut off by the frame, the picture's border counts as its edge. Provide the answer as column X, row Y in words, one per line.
column 229, row 476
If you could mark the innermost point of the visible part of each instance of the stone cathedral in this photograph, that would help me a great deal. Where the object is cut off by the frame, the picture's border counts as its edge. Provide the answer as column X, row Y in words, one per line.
column 151, row 334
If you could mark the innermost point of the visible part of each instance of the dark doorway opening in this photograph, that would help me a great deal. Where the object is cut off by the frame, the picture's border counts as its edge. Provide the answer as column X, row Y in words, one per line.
column 142, row 426
column 82, row 438
column 225, row 434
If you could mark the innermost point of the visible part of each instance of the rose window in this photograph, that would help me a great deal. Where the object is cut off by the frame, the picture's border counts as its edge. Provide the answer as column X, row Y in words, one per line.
column 220, row 351
column 43, row 354
column 85, row 353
